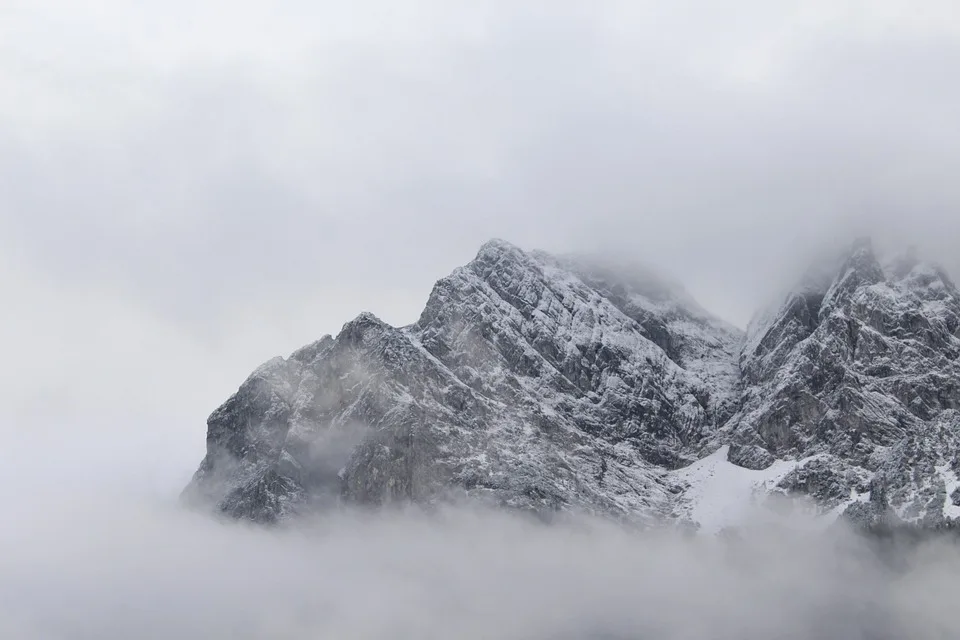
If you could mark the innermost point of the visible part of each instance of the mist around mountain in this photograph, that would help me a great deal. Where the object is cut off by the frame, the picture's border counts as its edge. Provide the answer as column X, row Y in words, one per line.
column 548, row 453
column 82, row 566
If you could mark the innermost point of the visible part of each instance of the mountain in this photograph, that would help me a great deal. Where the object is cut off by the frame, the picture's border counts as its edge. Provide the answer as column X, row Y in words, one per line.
column 551, row 384
column 858, row 378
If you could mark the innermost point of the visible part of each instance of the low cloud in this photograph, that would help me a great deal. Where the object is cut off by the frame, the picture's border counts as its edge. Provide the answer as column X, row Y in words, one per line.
column 89, row 567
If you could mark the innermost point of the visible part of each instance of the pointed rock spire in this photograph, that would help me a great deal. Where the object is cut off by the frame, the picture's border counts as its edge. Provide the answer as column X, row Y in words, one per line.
column 861, row 268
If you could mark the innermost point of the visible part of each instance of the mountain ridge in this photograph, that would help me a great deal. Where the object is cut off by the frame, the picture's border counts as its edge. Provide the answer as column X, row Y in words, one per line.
column 558, row 383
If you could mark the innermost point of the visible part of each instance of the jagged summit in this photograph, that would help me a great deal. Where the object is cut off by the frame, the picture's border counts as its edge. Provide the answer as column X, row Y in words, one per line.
column 860, row 269
column 568, row 383
column 860, row 381
column 827, row 284
column 498, row 246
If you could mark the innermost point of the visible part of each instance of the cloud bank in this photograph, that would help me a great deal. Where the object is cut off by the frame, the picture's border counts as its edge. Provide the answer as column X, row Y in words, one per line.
column 85, row 567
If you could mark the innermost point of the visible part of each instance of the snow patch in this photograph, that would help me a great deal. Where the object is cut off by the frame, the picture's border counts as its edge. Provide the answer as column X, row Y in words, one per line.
column 721, row 494
column 952, row 483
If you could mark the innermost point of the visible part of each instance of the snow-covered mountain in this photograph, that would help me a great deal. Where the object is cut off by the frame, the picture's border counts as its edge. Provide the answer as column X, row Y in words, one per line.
column 564, row 383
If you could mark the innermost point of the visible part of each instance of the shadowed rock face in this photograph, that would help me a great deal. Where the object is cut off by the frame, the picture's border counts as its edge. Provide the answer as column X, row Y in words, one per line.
column 546, row 383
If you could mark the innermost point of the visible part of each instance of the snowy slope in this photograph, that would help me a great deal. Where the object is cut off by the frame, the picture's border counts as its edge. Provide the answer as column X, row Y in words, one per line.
column 719, row 494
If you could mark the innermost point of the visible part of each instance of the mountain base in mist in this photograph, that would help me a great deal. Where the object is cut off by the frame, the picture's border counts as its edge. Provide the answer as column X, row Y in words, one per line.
column 136, row 570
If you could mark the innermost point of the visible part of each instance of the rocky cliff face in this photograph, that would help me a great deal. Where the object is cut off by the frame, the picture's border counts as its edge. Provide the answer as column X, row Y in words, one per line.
column 858, row 378
column 547, row 384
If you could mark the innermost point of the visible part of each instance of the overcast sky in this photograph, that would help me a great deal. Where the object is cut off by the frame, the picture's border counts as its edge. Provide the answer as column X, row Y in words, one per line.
column 189, row 188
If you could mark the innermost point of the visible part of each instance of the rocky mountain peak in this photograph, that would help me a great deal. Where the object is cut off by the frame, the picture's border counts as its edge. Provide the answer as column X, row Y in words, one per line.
column 570, row 383
column 826, row 287
column 842, row 384
column 497, row 249
column 860, row 269
column 363, row 329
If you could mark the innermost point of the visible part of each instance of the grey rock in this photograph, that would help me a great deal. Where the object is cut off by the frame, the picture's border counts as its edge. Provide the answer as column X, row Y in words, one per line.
column 521, row 385
column 553, row 384
column 861, row 370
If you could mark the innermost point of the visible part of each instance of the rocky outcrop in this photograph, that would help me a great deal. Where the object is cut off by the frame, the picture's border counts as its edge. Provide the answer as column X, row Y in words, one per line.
column 562, row 383
column 520, row 384
column 859, row 376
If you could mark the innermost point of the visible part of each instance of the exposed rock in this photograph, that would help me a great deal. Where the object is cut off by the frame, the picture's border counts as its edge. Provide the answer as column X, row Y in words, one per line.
column 864, row 369
column 554, row 384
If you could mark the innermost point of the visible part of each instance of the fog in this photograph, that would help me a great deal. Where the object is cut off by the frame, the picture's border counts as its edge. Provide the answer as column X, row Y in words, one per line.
column 96, row 555
column 188, row 189
column 106, row 567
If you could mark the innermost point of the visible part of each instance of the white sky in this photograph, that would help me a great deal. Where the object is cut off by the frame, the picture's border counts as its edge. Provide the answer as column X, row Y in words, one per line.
column 189, row 188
